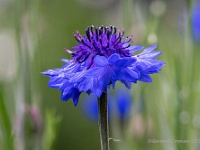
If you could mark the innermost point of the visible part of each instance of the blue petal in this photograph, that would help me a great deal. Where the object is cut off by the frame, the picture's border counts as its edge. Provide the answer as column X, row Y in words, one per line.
column 150, row 48
column 151, row 55
column 96, row 89
column 129, row 75
column 125, row 62
column 65, row 84
column 100, row 61
column 95, row 72
column 113, row 58
column 127, row 84
column 148, row 63
column 99, row 78
column 77, row 77
column 153, row 69
column 85, row 85
column 76, row 94
column 66, row 94
column 145, row 78
column 135, row 48
column 104, row 80
column 56, row 82
column 52, row 72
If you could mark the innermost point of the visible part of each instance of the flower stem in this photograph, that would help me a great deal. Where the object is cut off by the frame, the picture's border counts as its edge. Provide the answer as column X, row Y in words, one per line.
column 103, row 121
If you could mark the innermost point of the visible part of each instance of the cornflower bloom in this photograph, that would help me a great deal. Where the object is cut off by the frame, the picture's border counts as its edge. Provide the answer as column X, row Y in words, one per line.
column 123, row 104
column 101, row 58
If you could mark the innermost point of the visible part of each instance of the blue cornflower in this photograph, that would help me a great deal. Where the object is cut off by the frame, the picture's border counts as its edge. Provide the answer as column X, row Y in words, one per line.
column 101, row 58
column 195, row 19
column 124, row 104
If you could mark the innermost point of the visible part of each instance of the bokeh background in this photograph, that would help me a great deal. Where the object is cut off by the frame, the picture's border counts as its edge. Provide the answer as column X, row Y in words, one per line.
column 156, row 116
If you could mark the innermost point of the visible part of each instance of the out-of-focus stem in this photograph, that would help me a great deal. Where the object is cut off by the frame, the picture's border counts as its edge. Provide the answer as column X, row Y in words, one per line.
column 5, row 123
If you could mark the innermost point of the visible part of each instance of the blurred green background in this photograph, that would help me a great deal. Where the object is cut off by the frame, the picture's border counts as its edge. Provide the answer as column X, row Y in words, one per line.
column 32, row 37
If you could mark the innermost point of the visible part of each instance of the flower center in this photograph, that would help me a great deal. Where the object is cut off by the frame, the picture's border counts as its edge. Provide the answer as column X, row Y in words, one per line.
column 103, row 41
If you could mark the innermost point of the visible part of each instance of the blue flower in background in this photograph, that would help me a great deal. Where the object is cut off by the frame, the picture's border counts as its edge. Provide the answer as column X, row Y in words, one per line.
column 124, row 104
column 101, row 58
column 121, row 102
column 196, row 21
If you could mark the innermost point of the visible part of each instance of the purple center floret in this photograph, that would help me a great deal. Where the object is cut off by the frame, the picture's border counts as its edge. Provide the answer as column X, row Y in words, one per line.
column 103, row 41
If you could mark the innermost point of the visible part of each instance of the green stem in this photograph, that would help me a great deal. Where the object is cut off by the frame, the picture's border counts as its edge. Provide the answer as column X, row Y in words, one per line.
column 103, row 121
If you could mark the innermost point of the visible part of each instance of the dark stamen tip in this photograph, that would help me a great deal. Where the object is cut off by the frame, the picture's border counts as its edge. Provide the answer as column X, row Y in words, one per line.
column 115, row 29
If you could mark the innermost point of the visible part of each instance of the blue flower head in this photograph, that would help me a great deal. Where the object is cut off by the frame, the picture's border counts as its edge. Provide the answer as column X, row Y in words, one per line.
column 124, row 104
column 101, row 58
